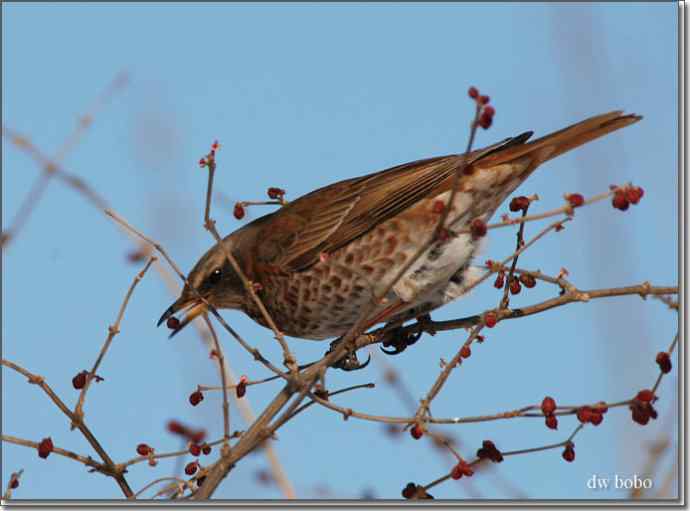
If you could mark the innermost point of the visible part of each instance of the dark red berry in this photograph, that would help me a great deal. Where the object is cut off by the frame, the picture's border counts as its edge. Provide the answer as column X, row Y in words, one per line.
column 195, row 398
column 241, row 389
column 596, row 418
column 206, row 449
column 484, row 100
column 15, row 483
column 520, row 203
column 143, row 450
column 500, row 281
column 490, row 319
column 478, row 228
column 569, row 453
column 172, row 323
column 202, row 162
column 438, row 207
column 275, row 193
column 417, row 432
column 409, row 490
column 45, row 447
column 551, row 422
column 177, row 428
column 575, row 199
column 633, row 194
column 645, row 396
column 79, row 380
column 620, row 201
column 548, row 405
column 584, row 414
column 485, row 121
column 473, row 92
column 197, row 436
column 465, row 352
column 489, row 110
column 191, row 468
column 238, row 211
column 195, row 449
column 515, row 286
column 664, row 361
column 528, row 280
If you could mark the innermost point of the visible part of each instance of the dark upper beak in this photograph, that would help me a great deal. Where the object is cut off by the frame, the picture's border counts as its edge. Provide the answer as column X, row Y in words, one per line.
column 192, row 308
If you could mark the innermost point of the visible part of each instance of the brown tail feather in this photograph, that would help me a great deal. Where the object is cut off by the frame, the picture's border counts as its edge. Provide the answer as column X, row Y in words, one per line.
column 557, row 143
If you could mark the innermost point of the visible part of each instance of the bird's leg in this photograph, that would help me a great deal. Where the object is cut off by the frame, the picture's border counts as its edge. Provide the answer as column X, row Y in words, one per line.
column 349, row 362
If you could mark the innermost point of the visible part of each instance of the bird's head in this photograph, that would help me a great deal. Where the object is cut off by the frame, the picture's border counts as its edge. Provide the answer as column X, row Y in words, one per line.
column 215, row 280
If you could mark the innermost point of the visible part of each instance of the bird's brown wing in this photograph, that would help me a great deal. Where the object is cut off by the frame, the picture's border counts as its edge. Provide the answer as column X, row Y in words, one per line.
column 329, row 218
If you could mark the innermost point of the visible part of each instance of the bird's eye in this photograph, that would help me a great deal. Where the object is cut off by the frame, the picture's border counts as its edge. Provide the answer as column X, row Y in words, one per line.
column 214, row 278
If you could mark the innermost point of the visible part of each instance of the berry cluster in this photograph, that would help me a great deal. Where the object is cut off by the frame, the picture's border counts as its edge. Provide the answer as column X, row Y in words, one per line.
column 487, row 112
column 461, row 469
column 624, row 196
column 548, row 407
column 209, row 159
column 592, row 414
column 489, row 451
column 641, row 407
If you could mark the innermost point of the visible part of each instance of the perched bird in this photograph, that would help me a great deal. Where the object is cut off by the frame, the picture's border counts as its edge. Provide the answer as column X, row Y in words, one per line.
column 320, row 259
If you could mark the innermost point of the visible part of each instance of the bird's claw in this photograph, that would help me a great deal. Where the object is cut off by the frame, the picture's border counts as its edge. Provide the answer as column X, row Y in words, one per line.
column 400, row 341
column 349, row 362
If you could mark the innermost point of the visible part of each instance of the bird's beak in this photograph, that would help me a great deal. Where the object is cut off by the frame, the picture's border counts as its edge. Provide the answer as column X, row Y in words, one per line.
column 192, row 307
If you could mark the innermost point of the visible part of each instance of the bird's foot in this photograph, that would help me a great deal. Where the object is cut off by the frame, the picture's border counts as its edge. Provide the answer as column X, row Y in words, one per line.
column 400, row 339
column 349, row 362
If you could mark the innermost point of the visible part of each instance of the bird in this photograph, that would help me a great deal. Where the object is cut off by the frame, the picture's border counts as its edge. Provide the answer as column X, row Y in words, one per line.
column 322, row 260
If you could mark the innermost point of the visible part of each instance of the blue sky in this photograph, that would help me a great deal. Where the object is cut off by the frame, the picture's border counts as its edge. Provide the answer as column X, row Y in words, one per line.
column 302, row 95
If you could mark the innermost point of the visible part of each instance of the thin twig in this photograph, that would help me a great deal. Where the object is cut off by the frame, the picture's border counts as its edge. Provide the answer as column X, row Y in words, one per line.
column 113, row 330
column 109, row 467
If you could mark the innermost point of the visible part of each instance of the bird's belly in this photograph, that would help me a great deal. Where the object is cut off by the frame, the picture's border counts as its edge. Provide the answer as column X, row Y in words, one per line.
column 327, row 299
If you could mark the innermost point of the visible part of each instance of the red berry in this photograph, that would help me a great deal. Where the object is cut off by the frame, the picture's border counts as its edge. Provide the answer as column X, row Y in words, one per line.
column 485, row 121
column 202, row 162
column 206, row 449
column 478, row 228
column 416, row 432
column 584, row 414
column 515, row 286
column 520, row 203
column 596, row 418
column 438, row 207
column 569, row 453
column 528, row 280
column 197, row 436
column 500, row 281
column 172, row 323
column 195, row 449
column 275, row 193
column 409, row 490
column 15, row 483
column 136, row 255
column 79, row 380
column 484, row 100
column 191, row 468
column 177, row 428
column 575, row 199
column 465, row 352
column 620, row 201
column 664, row 361
column 490, row 319
column 601, row 407
column 640, row 414
column 45, row 447
column 241, row 389
column 551, row 422
column 548, row 405
column 645, row 396
column 633, row 194
column 143, row 450
column 238, row 211
column 215, row 146
column 473, row 92
column 456, row 473
column 195, row 398
column 489, row 110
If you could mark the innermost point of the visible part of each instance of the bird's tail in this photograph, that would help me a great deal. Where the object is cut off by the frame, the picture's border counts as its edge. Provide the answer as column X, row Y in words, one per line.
column 561, row 141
